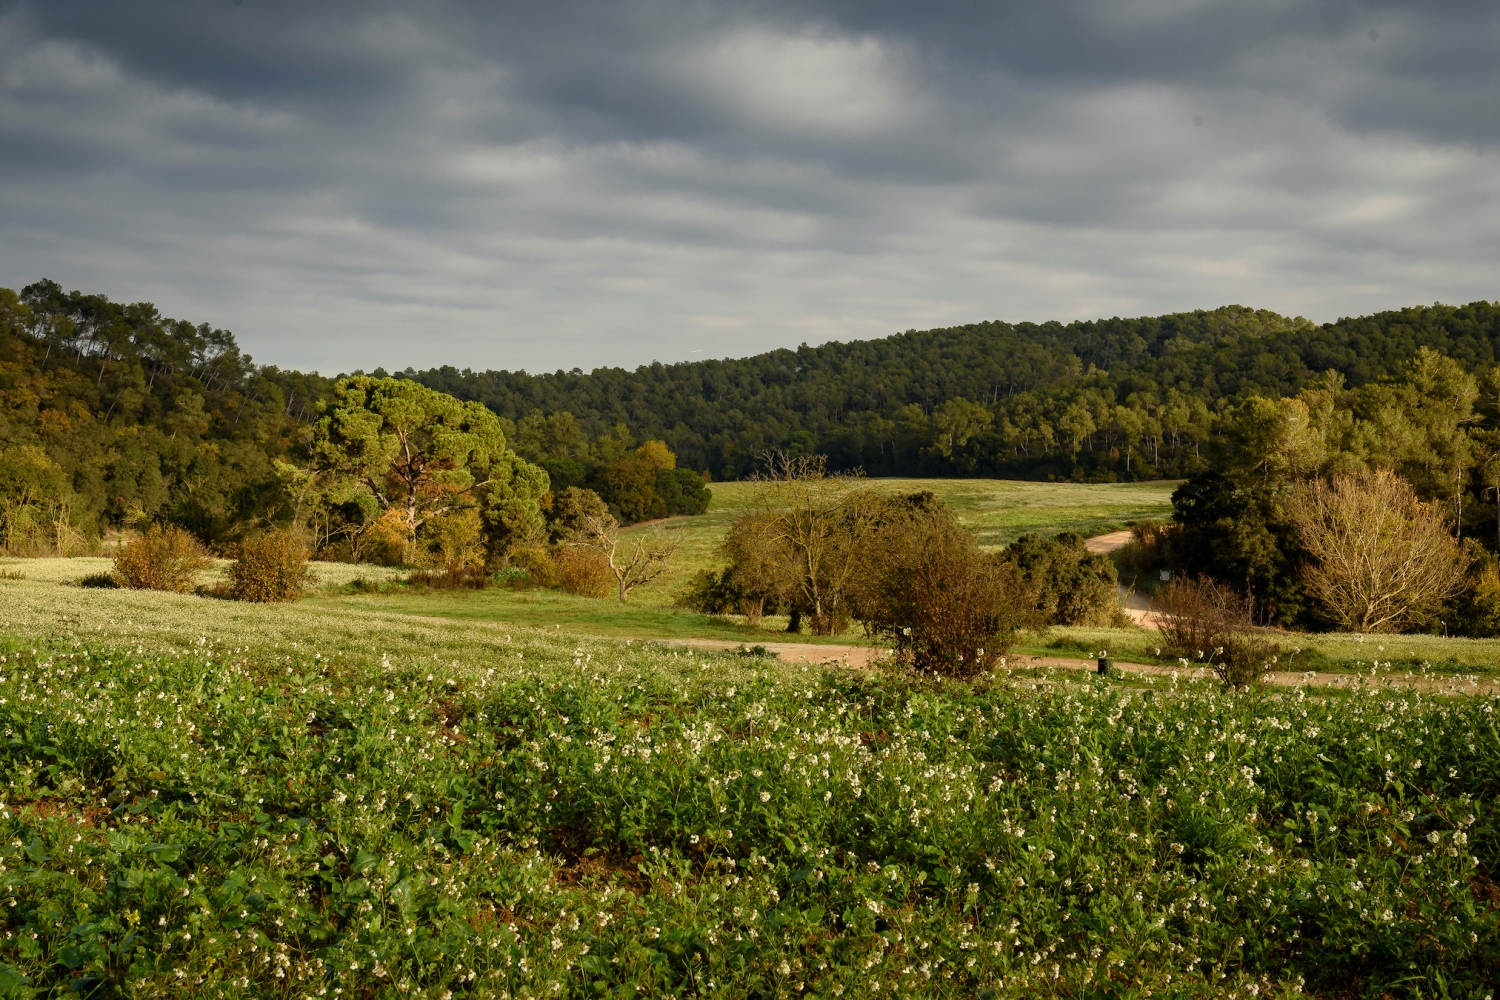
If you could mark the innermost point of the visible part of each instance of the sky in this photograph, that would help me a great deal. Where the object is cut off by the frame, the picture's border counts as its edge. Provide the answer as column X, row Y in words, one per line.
column 560, row 184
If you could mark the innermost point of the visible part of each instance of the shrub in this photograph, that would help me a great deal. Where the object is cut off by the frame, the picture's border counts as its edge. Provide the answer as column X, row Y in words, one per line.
column 536, row 565
column 583, row 571
column 1073, row 586
column 452, row 578
column 943, row 604
column 160, row 559
column 1152, row 548
column 270, row 569
column 1203, row 622
column 103, row 581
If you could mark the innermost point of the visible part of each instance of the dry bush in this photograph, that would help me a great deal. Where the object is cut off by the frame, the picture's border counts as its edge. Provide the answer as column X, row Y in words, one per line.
column 270, row 569
column 1206, row 623
column 452, row 578
column 945, row 605
column 1383, row 560
column 583, row 571
column 385, row 542
column 161, row 559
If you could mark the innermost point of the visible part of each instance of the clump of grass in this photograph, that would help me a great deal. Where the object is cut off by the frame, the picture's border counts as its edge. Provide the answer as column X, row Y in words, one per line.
column 11, row 574
column 161, row 558
column 269, row 569
column 101, row 581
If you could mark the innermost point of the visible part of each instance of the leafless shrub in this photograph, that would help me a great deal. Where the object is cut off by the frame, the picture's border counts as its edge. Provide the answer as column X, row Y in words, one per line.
column 585, row 523
column 161, row 559
column 1208, row 624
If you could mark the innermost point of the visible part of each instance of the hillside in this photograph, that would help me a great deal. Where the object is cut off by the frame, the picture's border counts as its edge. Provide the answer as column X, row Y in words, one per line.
column 150, row 418
column 1117, row 398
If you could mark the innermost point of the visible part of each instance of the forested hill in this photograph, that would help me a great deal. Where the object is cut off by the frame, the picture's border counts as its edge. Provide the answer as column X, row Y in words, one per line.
column 143, row 417
column 153, row 418
column 1126, row 398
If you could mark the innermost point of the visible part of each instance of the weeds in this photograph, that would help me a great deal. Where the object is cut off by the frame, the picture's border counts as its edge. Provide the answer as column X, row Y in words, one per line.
column 452, row 578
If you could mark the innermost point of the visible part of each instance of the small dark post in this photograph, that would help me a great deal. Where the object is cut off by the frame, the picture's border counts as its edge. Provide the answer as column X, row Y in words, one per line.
column 1104, row 664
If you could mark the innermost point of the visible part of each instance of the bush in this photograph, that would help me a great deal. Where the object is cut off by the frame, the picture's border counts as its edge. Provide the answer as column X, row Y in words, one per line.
column 1152, row 548
column 943, row 604
column 583, row 571
column 103, row 581
column 1475, row 611
column 1073, row 586
column 536, row 565
column 161, row 559
column 1203, row 622
column 270, row 569
column 452, row 578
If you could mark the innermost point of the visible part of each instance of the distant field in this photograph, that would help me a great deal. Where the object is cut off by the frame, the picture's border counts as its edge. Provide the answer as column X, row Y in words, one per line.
column 998, row 510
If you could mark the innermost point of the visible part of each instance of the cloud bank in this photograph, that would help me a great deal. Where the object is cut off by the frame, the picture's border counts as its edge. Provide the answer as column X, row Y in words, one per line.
column 570, row 184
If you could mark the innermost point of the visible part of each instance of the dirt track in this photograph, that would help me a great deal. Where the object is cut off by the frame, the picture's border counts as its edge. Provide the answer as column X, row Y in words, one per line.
column 867, row 656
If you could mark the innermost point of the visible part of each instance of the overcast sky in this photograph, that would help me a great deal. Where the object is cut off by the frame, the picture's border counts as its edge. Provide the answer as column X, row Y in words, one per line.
column 352, row 183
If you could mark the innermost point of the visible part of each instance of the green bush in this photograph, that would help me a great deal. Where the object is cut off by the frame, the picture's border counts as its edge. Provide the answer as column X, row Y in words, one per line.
column 270, row 569
column 162, row 558
column 1073, row 586
column 942, row 603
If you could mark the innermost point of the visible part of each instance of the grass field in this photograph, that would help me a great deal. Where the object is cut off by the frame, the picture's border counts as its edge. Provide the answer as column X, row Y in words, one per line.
column 229, row 800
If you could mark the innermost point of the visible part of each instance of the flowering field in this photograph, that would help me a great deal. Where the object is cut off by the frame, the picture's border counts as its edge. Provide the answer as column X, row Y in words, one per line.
column 548, row 818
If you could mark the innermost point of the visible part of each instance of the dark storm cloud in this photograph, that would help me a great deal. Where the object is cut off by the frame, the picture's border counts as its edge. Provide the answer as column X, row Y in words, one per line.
column 554, row 184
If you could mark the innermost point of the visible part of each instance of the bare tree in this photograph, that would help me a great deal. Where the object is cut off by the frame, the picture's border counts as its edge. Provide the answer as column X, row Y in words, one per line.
column 587, row 523
column 1383, row 559
column 823, row 523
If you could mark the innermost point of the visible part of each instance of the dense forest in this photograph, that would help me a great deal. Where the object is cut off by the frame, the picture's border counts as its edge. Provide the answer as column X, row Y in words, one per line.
column 1102, row 400
column 146, row 418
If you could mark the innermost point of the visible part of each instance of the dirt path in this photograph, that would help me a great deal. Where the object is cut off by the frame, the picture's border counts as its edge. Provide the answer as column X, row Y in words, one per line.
column 1445, row 684
column 798, row 652
column 1105, row 544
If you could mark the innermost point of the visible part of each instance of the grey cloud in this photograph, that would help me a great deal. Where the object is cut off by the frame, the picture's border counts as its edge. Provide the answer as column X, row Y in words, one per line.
column 565, row 184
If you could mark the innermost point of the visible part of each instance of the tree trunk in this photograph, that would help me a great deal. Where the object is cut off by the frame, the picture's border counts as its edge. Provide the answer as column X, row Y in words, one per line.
column 794, row 620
